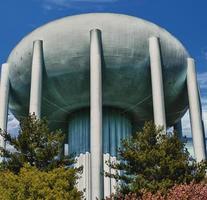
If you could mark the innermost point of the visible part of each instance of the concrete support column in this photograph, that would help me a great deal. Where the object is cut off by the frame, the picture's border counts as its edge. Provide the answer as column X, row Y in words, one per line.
column 88, row 175
column 178, row 128
column 4, row 99
column 195, row 112
column 107, row 180
column 66, row 152
column 114, row 183
column 78, row 164
column 36, row 78
column 81, row 181
column 157, row 82
column 96, row 114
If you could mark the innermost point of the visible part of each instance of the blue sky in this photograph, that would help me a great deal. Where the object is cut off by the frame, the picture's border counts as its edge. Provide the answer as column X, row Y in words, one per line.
column 186, row 19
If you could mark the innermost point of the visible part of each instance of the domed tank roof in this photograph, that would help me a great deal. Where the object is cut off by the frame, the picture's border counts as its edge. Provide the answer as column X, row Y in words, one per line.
column 126, row 67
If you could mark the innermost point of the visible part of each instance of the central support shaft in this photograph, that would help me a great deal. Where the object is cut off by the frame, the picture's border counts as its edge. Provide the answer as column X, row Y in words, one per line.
column 96, row 114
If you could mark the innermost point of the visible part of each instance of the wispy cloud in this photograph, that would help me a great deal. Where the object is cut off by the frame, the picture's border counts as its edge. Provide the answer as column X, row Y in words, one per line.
column 65, row 4
column 205, row 55
column 204, row 107
column 94, row 1
column 186, row 125
column 202, row 79
column 51, row 4
column 186, row 119
column 13, row 125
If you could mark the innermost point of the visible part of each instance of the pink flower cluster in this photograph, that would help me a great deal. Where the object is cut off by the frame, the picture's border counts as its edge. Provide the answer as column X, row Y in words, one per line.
column 192, row 191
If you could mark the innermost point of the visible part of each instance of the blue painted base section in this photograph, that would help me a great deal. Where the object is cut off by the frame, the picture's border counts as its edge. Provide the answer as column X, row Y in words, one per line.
column 116, row 126
column 79, row 133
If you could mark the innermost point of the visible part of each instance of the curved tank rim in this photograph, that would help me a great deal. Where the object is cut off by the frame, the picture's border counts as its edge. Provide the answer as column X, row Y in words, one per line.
column 96, row 13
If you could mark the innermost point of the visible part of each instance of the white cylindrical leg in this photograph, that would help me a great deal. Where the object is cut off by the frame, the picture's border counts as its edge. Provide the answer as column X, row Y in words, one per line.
column 113, row 181
column 66, row 151
column 96, row 114
column 87, row 176
column 157, row 82
column 4, row 100
column 81, row 180
column 84, row 173
column 178, row 129
column 195, row 112
column 36, row 79
column 107, row 181
column 77, row 165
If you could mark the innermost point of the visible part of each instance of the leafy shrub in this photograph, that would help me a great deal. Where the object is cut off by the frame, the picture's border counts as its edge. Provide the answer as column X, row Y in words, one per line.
column 32, row 184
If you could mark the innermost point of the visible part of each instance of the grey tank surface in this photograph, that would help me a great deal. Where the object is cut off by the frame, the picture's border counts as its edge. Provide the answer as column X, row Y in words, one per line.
column 126, row 68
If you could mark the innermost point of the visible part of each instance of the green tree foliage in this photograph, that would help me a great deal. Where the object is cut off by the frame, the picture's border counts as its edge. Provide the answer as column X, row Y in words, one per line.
column 32, row 184
column 36, row 169
column 155, row 161
column 35, row 145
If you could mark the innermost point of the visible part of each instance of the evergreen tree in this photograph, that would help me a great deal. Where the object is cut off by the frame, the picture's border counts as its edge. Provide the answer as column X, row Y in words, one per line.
column 153, row 161
column 35, row 145
column 36, row 169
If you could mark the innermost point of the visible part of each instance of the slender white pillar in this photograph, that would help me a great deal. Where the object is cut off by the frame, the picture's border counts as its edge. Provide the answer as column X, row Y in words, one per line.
column 77, row 165
column 178, row 129
column 84, row 172
column 113, row 180
column 36, row 78
column 107, row 180
column 66, row 151
column 157, row 82
column 88, row 176
column 195, row 112
column 4, row 100
column 96, row 114
column 81, row 180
